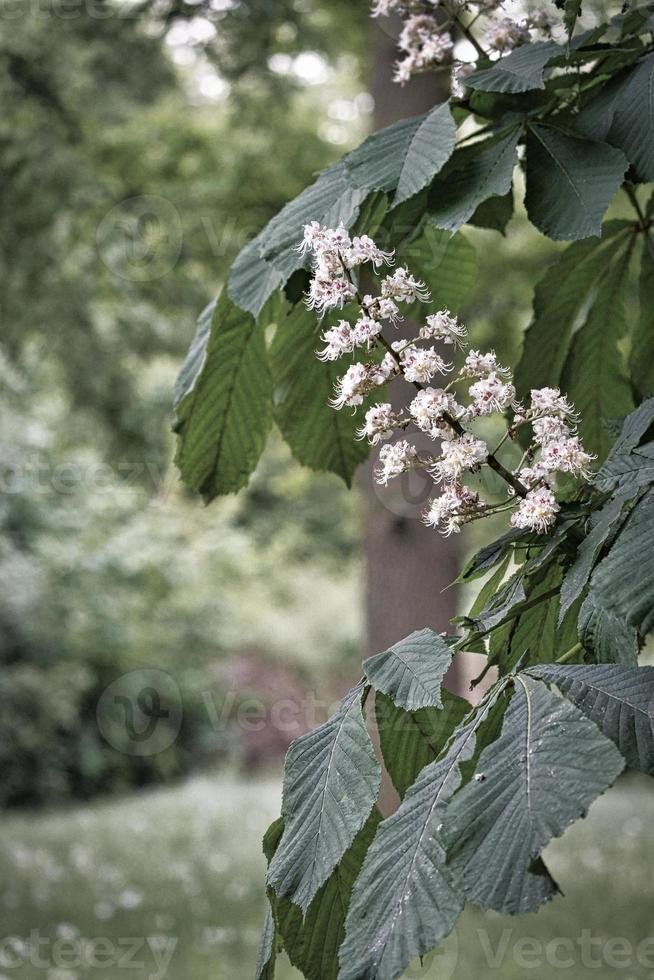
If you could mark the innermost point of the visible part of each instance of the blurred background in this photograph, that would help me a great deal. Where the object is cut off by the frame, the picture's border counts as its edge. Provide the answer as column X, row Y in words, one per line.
column 141, row 145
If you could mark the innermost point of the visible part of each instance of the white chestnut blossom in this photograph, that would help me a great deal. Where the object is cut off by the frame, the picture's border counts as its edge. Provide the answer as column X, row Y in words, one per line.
column 443, row 326
column 549, row 428
column 460, row 455
column 536, row 475
column 380, row 422
column 363, row 249
column 567, row 456
column 329, row 293
column 381, row 373
column 460, row 72
column 366, row 330
column 478, row 365
column 381, row 308
column 506, row 34
column 395, row 459
column 537, row 511
column 338, row 340
column 424, row 43
column 352, row 387
column 420, row 364
column 427, row 410
column 449, row 511
column 401, row 287
column 490, row 395
column 551, row 402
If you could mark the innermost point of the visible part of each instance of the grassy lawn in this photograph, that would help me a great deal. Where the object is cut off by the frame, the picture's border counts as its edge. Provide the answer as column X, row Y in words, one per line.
column 169, row 884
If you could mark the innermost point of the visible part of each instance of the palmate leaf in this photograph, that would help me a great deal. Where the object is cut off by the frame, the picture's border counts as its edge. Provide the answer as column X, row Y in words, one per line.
column 544, row 771
column 410, row 740
column 629, row 463
column 570, row 182
column 606, row 636
column 312, row 941
column 519, row 71
column 378, row 162
column 559, row 300
column 620, row 700
column 331, row 782
column 641, row 360
column 473, row 174
column 429, row 150
column 411, row 671
column 403, row 902
column 595, row 376
column 224, row 411
column 623, row 582
column 318, row 436
column 494, row 213
column 632, row 126
column 447, row 264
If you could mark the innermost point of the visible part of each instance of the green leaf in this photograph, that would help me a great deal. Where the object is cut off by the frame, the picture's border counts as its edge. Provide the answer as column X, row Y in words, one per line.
column 331, row 781
column 494, row 213
column 410, row 740
column 252, row 280
column 447, row 263
column 473, row 174
column 318, row 435
column 632, row 127
column 429, row 150
column 519, row 71
column 403, row 902
column 535, row 628
column 560, row 300
column 488, row 556
column 503, row 603
column 312, row 942
column 225, row 411
column 623, row 582
column 605, row 636
column 378, row 163
column 603, row 523
column 641, row 361
column 628, row 463
column 547, row 767
column 595, row 376
column 571, row 12
column 570, row 182
column 195, row 356
column 265, row 968
column 411, row 671
column 620, row 700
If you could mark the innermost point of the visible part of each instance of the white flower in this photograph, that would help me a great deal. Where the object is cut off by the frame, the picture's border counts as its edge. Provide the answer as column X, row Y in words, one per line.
column 427, row 410
column 551, row 401
column 460, row 72
column 379, row 424
column 379, row 307
column 351, row 388
column 420, row 365
column 529, row 476
column 339, row 340
column 436, row 48
column 449, row 511
column 381, row 373
column 506, row 34
column 338, row 239
column 366, row 330
column 537, row 511
column 567, row 456
column 363, row 249
column 326, row 294
column 403, row 288
column 541, row 20
column 395, row 459
column 490, row 395
column 459, row 455
column 478, row 365
column 314, row 238
column 549, row 429
column 443, row 326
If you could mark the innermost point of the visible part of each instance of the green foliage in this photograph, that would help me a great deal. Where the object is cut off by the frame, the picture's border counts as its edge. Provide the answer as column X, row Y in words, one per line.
column 519, row 71
column 411, row 672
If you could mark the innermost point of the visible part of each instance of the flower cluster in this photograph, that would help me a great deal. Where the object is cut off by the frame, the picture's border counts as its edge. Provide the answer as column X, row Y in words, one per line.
column 426, row 41
column 446, row 415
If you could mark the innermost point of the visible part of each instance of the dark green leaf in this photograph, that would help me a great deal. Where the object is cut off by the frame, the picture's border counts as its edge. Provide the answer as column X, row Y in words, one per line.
column 265, row 968
column 318, row 435
column 508, row 597
column 447, row 263
column 632, row 128
column 410, row 740
column 620, row 700
column 224, row 417
column 252, row 280
column 494, row 213
column 519, row 71
column 473, row 174
column 571, row 11
column 548, row 766
column 570, row 182
column 430, row 148
column 195, row 357
column 535, row 629
column 411, row 672
column 605, row 636
column 378, row 163
column 331, row 781
column 488, row 556
column 641, row 361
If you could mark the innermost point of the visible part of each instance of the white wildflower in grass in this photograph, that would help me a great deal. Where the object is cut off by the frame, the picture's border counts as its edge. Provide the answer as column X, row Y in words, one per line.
column 489, row 395
column 460, row 455
column 380, row 421
column 395, row 459
column 537, row 511
column 421, row 364
column 454, row 507
column 401, row 287
column 549, row 428
column 505, row 35
column 338, row 340
column 429, row 406
column 567, row 456
column 443, row 326
column 478, row 365
column 550, row 401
